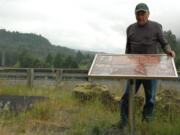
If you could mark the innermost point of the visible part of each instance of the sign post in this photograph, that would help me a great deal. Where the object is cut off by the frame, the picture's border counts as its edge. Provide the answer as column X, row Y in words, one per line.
column 131, row 107
column 133, row 66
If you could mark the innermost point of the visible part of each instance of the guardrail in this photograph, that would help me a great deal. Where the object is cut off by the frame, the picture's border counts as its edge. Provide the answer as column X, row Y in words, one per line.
column 56, row 74
column 32, row 74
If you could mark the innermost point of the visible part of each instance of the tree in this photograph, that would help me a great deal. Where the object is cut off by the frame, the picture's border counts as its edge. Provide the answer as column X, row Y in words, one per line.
column 177, row 58
column 58, row 60
column 49, row 60
column 69, row 62
column 26, row 59
column 175, row 45
column 79, row 57
column 171, row 38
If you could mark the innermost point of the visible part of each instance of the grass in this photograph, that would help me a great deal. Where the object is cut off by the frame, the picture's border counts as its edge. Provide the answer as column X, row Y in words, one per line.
column 62, row 114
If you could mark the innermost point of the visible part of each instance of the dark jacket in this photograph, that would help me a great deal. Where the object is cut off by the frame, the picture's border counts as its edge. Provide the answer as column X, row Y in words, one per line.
column 145, row 39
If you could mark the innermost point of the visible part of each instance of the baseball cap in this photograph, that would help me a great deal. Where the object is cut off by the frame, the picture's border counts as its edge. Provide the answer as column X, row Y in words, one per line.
column 141, row 7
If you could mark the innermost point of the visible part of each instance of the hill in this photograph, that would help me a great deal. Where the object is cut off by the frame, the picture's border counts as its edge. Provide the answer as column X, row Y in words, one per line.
column 31, row 42
column 13, row 44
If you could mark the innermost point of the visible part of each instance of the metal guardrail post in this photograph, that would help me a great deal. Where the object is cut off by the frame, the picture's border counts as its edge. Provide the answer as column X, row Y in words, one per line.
column 59, row 73
column 30, row 77
column 89, row 79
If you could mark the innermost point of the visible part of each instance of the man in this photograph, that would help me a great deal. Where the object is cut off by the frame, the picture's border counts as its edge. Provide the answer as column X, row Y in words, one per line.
column 143, row 37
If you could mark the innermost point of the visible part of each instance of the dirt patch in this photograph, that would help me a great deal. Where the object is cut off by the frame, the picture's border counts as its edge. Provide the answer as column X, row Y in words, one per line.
column 18, row 103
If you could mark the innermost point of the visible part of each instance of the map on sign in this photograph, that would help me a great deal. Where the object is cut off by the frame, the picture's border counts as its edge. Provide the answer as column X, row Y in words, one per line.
column 133, row 66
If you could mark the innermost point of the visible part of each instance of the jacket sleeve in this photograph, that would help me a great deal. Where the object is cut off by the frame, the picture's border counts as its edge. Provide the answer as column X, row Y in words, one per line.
column 161, row 39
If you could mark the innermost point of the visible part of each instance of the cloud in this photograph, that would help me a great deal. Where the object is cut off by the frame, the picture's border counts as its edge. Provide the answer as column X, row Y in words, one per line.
column 97, row 25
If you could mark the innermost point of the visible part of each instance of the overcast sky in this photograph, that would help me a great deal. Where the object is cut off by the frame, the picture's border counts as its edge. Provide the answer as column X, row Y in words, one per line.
column 96, row 25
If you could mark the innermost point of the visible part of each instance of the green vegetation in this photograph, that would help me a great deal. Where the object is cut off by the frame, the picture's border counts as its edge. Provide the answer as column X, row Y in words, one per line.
column 31, row 50
column 175, row 45
column 63, row 114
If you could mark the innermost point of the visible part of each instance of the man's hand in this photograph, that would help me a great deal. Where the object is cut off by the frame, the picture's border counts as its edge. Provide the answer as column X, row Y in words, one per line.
column 171, row 53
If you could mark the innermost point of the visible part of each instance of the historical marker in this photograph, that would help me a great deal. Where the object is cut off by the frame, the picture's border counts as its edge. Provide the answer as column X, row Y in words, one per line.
column 133, row 66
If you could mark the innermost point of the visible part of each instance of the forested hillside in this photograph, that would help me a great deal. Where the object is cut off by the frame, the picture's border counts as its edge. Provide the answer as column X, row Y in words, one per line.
column 31, row 50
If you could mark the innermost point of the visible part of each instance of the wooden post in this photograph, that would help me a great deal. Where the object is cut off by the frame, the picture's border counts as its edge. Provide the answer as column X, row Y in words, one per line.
column 89, row 79
column 3, row 58
column 131, row 107
column 59, row 73
column 30, row 77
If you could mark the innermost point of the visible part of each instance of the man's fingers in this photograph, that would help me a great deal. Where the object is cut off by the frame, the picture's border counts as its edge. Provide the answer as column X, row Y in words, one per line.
column 171, row 53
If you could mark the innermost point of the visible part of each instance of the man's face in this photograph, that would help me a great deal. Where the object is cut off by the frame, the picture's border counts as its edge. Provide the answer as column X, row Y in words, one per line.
column 142, row 17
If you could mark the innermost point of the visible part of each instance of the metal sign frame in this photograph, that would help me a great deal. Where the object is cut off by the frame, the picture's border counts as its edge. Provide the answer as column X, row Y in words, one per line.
column 118, row 76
